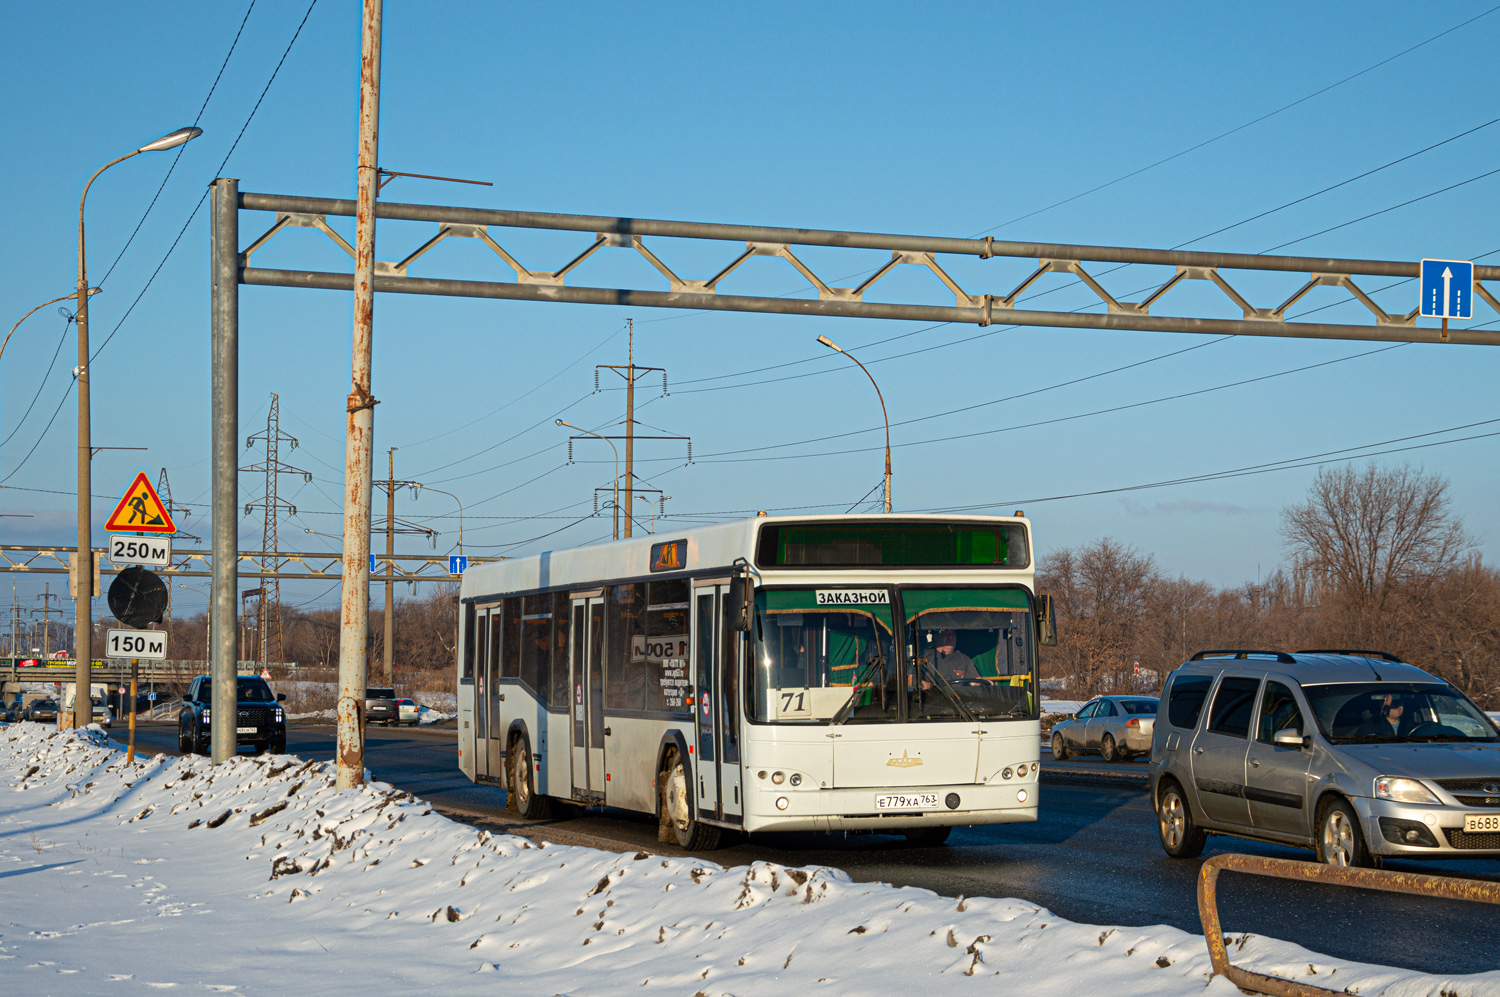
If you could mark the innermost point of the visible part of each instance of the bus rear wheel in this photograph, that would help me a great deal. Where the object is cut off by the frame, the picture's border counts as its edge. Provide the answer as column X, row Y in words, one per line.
column 677, row 809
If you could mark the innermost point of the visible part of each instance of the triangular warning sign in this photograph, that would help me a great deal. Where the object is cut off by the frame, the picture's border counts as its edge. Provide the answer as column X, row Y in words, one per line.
column 141, row 510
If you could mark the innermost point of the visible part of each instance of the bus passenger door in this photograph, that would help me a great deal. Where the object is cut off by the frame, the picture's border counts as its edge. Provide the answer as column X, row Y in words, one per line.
column 727, row 719
column 482, row 684
column 586, row 679
column 705, row 769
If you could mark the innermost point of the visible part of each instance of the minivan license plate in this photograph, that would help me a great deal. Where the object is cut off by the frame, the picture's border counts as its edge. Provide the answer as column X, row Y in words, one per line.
column 1480, row 823
column 244, row 730
column 907, row 801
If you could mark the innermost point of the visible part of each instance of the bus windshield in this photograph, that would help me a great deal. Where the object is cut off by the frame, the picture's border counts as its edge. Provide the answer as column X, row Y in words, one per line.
column 824, row 656
column 969, row 654
column 817, row 663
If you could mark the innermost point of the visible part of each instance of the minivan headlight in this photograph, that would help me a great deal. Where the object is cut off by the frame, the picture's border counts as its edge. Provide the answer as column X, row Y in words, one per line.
column 1390, row 787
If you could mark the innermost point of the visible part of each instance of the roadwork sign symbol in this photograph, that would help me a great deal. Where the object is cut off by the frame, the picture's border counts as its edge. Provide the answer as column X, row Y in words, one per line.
column 1447, row 289
column 141, row 510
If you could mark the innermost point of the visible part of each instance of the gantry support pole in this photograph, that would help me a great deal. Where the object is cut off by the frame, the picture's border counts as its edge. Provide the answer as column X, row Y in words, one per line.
column 226, row 436
column 354, row 602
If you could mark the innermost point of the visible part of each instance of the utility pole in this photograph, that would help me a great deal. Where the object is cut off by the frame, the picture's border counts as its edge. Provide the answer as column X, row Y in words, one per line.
column 631, row 373
column 270, row 599
column 46, row 612
column 386, row 677
column 359, row 426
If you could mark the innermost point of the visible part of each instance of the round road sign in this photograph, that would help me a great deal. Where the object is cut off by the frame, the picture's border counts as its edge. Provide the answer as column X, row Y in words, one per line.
column 137, row 597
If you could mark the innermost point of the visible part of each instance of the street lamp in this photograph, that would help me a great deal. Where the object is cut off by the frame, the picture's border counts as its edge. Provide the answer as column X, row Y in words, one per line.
column 455, row 498
column 606, row 439
column 84, row 561
column 834, row 346
column 650, row 512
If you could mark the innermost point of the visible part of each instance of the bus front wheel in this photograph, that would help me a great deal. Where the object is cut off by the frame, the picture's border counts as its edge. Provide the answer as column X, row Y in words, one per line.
column 677, row 808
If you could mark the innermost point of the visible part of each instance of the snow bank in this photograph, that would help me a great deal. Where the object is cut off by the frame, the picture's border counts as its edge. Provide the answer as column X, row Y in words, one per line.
column 278, row 882
column 425, row 715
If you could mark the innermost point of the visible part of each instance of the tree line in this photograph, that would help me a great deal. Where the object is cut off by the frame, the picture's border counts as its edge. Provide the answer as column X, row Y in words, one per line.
column 1376, row 558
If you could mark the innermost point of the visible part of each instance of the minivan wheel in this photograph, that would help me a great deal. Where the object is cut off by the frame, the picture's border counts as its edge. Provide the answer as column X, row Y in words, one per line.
column 1340, row 841
column 1107, row 749
column 1181, row 837
column 1059, row 753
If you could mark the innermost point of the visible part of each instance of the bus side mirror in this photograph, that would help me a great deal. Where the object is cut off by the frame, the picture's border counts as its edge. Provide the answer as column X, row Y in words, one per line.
column 739, row 605
column 1046, row 620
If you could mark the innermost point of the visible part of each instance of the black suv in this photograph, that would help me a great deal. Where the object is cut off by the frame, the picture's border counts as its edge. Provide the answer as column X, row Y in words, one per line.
column 259, row 721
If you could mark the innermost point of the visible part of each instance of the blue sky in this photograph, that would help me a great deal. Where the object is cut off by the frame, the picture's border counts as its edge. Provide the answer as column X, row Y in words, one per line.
column 938, row 119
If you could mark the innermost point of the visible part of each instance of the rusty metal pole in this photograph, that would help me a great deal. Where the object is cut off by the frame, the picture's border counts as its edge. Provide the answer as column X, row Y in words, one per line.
column 134, row 675
column 354, row 602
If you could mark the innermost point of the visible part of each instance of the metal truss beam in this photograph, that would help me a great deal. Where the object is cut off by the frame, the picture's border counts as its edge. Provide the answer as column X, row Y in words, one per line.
column 982, row 308
column 24, row 559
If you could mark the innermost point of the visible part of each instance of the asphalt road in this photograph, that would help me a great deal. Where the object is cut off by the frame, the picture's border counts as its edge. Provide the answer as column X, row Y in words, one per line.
column 1092, row 856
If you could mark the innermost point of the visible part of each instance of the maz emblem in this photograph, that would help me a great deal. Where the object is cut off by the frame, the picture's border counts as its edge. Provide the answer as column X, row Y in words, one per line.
column 904, row 762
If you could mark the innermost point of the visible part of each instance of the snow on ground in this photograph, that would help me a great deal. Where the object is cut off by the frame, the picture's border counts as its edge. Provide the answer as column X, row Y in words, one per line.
column 258, row 876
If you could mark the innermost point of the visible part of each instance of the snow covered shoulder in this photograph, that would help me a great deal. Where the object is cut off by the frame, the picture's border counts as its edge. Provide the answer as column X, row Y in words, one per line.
column 258, row 876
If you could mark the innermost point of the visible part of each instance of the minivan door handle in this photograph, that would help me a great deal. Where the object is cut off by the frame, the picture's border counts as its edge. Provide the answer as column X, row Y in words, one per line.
column 1197, row 751
column 1255, row 763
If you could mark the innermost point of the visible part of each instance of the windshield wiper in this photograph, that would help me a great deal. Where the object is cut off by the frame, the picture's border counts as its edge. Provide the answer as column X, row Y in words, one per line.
column 947, row 690
column 843, row 713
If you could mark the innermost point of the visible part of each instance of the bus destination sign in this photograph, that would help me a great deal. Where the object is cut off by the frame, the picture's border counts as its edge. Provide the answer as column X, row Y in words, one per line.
column 854, row 597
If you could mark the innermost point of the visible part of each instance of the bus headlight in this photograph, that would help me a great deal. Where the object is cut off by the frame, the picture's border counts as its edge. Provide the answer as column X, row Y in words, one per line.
column 782, row 803
column 1020, row 796
column 796, row 779
column 1005, row 773
column 778, row 777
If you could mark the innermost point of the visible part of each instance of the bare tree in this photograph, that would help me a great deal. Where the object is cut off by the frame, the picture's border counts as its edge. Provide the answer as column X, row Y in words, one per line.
column 1373, row 533
column 1101, row 592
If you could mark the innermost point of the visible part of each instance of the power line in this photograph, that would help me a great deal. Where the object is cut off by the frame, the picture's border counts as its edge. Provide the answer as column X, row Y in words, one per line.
column 45, row 429
column 204, row 197
column 180, row 148
column 45, row 377
column 1238, row 128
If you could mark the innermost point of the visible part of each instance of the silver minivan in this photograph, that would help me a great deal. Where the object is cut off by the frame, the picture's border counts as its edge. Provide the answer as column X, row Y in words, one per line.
column 1354, row 754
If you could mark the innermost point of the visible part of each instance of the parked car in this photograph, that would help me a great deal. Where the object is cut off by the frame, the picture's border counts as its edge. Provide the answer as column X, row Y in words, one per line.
column 383, row 707
column 1354, row 754
column 259, row 720
column 42, row 709
column 1115, row 726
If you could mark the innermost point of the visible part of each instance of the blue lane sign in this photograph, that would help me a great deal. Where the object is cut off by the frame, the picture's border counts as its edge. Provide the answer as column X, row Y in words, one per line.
column 457, row 563
column 372, row 564
column 1447, row 289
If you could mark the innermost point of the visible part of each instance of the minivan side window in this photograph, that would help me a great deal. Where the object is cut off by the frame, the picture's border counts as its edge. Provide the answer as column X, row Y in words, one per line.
column 1185, row 700
column 1278, row 711
column 1233, row 703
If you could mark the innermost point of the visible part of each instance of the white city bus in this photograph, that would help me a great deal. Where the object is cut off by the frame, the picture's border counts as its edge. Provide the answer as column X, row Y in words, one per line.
column 768, row 674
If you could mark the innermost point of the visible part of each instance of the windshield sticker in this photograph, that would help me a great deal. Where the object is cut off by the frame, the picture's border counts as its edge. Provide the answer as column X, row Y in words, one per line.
column 854, row 597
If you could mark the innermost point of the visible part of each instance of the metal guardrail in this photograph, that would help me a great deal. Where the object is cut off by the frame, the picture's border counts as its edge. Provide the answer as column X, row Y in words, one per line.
column 1418, row 884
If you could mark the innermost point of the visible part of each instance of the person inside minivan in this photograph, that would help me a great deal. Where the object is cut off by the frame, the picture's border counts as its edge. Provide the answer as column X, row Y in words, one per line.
column 1391, row 722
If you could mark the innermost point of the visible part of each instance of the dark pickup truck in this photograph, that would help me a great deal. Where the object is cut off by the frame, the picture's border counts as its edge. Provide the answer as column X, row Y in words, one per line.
column 259, row 719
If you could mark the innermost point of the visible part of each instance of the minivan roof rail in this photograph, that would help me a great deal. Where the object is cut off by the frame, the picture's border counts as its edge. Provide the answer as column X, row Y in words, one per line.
column 1382, row 655
column 1281, row 656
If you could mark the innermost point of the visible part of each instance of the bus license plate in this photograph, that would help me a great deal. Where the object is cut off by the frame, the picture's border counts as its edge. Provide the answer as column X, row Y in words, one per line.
column 244, row 730
column 1480, row 823
column 907, row 801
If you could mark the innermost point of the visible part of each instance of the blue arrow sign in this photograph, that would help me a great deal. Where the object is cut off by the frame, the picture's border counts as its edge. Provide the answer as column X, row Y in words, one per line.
column 372, row 564
column 1447, row 289
column 457, row 563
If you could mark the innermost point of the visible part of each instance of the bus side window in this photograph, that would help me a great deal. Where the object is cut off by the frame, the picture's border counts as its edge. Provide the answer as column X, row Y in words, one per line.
column 625, row 655
column 467, row 673
column 705, row 667
column 560, row 607
column 510, row 650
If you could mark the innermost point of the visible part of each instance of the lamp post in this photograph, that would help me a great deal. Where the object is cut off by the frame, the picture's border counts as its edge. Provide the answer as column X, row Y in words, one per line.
column 83, row 562
column 615, row 500
column 455, row 498
column 834, row 346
